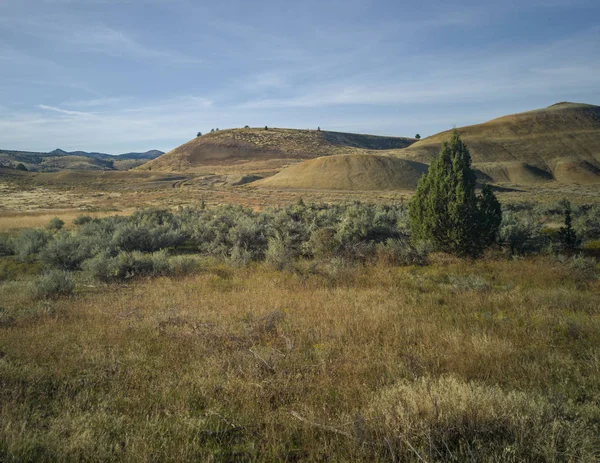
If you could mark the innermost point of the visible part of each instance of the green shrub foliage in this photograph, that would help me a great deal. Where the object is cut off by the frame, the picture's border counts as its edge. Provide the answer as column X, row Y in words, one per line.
column 446, row 210
column 53, row 284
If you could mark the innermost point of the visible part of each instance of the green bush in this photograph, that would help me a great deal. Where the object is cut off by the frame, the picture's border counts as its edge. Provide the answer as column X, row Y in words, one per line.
column 135, row 237
column 278, row 255
column 82, row 220
column 587, row 224
column 521, row 236
column 126, row 265
column 53, row 284
column 401, row 252
column 67, row 251
column 55, row 224
column 6, row 245
column 28, row 243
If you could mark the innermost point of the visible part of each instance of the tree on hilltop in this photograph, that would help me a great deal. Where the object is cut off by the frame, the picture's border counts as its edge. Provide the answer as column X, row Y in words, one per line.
column 445, row 209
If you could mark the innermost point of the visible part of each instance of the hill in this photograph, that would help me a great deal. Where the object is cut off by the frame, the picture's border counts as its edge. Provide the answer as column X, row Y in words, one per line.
column 255, row 150
column 58, row 160
column 561, row 142
column 356, row 172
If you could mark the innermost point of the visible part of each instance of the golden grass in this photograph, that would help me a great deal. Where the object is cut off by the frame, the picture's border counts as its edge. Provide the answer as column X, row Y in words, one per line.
column 493, row 360
column 10, row 221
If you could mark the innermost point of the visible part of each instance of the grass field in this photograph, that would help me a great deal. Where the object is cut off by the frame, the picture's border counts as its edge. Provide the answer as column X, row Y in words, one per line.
column 492, row 360
column 497, row 360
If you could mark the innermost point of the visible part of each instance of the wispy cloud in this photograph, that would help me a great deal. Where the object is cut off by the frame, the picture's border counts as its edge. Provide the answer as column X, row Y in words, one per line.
column 64, row 111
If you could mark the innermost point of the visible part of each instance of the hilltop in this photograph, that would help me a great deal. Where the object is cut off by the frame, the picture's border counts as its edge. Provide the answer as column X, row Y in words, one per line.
column 560, row 142
column 59, row 159
column 257, row 149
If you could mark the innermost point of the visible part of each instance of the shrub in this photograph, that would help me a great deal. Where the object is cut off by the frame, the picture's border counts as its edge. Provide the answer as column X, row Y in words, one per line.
column 402, row 252
column 6, row 245
column 278, row 255
column 53, row 284
column 588, row 225
column 67, row 251
column 82, row 220
column 322, row 242
column 521, row 236
column 55, row 224
column 146, row 238
column 28, row 243
column 126, row 265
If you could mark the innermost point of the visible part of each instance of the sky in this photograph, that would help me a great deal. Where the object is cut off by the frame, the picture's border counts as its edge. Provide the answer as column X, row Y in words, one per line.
column 133, row 75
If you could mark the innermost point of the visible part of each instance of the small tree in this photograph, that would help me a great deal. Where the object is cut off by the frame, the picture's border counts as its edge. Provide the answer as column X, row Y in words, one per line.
column 266, row 127
column 199, row 134
column 569, row 241
column 418, row 137
column 21, row 166
column 445, row 209
column 246, row 126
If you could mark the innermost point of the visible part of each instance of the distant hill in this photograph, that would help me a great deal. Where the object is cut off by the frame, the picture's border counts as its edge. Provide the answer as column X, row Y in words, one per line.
column 561, row 142
column 58, row 159
column 259, row 149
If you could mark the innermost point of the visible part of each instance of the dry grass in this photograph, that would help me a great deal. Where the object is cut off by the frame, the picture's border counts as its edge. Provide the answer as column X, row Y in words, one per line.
column 346, row 364
column 10, row 221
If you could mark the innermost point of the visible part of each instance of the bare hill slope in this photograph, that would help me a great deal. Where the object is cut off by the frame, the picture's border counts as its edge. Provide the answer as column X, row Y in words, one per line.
column 255, row 149
column 561, row 142
column 356, row 172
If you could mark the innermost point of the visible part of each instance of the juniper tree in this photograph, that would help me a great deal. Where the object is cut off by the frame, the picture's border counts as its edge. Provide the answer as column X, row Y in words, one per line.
column 569, row 240
column 446, row 210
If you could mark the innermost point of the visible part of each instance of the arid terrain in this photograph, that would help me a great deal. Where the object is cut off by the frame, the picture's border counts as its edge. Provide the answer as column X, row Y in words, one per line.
column 254, row 295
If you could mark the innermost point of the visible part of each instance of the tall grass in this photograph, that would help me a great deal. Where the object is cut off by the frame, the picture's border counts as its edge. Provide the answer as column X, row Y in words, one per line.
column 494, row 360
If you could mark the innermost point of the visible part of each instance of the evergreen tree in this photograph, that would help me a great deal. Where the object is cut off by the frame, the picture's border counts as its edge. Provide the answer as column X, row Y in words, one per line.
column 490, row 216
column 445, row 209
column 569, row 240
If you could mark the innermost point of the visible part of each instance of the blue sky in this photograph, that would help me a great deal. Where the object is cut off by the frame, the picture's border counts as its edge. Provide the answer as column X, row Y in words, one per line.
column 133, row 75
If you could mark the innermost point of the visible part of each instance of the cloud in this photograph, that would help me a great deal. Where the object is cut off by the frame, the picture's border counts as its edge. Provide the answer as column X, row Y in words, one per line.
column 64, row 111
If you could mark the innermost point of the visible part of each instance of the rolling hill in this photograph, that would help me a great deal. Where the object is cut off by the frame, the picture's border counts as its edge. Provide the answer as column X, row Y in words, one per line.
column 58, row 160
column 260, row 150
column 354, row 172
column 561, row 142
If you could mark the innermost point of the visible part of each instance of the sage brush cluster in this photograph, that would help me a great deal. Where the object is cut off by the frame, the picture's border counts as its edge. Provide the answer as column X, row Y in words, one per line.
column 158, row 242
